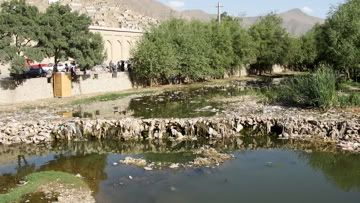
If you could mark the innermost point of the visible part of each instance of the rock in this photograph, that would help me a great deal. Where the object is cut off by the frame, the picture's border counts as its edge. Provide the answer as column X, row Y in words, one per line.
column 133, row 161
column 174, row 166
column 78, row 175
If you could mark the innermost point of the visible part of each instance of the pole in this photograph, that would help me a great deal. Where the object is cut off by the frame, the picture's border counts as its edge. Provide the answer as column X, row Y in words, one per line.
column 219, row 6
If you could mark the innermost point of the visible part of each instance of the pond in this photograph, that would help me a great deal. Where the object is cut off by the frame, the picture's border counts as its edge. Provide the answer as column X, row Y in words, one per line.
column 264, row 170
column 182, row 103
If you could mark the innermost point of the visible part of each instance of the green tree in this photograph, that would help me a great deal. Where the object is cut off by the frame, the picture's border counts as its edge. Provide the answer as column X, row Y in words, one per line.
column 271, row 41
column 341, row 35
column 19, row 33
column 179, row 50
column 194, row 52
column 243, row 44
column 294, row 55
column 223, row 55
column 65, row 34
column 310, row 46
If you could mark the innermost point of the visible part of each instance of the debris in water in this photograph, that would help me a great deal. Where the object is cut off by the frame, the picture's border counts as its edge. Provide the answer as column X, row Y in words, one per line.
column 134, row 162
column 78, row 175
column 174, row 165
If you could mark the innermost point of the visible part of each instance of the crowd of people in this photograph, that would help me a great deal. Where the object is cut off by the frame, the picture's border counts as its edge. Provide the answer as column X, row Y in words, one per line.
column 120, row 66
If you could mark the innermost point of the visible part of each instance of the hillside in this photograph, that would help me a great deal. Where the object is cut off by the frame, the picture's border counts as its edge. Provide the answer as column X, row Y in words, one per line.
column 139, row 14
column 295, row 21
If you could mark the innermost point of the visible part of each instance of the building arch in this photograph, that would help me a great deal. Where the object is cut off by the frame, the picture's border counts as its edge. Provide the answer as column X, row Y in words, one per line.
column 119, row 50
column 109, row 50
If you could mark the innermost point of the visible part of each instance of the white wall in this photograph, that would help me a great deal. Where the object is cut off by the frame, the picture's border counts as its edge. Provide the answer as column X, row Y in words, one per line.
column 38, row 88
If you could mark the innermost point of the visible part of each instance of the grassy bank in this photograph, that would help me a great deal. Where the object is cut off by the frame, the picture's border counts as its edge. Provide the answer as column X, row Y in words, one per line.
column 36, row 180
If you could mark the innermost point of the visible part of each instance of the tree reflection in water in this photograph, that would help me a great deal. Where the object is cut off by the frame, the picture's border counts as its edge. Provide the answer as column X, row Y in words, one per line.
column 343, row 169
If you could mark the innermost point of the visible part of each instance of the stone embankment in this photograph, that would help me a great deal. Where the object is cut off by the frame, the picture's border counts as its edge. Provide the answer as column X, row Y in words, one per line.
column 343, row 132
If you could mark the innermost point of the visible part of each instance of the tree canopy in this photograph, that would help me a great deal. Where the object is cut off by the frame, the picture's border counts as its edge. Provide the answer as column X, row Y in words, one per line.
column 25, row 33
column 271, row 41
column 66, row 34
column 341, row 37
column 19, row 33
column 179, row 51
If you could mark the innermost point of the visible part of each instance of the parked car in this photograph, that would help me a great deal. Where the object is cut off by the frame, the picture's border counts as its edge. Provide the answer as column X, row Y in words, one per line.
column 48, row 67
column 60, row 67
column 35, row 72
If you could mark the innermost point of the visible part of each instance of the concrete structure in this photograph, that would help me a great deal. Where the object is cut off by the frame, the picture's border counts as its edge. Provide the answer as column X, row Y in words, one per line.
column 118, row 41
column 12, row 91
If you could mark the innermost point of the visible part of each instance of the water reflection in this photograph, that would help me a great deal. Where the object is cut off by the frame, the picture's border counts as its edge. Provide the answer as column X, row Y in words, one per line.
column 341, row 169
column 184, row 103
column 261, row 161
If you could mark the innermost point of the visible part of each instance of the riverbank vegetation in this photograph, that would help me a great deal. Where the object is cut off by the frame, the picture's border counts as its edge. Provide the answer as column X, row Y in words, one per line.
column 319, row 89
column 34, row 181
column 179, row 51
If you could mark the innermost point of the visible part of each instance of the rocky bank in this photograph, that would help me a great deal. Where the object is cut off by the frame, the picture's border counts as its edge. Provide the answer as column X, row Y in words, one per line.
column 344, row 132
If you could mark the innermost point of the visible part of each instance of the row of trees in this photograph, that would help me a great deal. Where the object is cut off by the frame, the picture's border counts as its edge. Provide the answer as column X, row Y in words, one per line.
column 25, row 33
column 182, row 50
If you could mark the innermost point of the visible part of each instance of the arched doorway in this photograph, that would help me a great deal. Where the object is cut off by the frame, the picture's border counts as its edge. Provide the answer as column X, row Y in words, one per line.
column 119, row 51
column 109, row 51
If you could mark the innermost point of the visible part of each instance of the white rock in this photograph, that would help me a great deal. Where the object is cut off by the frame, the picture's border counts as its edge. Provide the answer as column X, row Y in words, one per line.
column 174, row 165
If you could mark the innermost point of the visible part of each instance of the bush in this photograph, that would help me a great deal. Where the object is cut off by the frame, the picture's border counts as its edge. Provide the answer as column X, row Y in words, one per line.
column 179, row 51
column 350, row 100
column 313, row 90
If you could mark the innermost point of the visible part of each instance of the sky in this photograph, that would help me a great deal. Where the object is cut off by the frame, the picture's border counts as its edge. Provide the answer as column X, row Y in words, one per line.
column 319, row 8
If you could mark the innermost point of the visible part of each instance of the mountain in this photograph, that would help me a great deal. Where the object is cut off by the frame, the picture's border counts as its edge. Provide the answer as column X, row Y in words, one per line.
column 295, row 21
column 139, row 14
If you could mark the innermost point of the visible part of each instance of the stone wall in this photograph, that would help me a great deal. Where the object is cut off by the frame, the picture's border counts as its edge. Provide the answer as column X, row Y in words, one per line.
column 104, row 83
column 12, row 91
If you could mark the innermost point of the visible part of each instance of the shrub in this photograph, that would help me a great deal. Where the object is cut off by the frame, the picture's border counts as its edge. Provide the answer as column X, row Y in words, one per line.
column 352, row 99
column 312, row 90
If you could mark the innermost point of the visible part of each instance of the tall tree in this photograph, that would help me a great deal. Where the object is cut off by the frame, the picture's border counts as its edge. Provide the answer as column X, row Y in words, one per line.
column 341, row 34
column 311, row 46
column 66, row 35
column 294, row 56
column 271, row 41
column 19, row 33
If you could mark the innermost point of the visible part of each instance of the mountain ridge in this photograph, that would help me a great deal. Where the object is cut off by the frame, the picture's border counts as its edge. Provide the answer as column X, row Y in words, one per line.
column 140, row 14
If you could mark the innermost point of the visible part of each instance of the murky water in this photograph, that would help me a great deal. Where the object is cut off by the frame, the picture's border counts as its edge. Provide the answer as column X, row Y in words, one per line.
column 184, row 103
column 265, row 170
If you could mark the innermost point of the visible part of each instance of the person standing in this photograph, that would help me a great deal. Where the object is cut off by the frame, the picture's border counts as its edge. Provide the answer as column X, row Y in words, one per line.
column 111, row 66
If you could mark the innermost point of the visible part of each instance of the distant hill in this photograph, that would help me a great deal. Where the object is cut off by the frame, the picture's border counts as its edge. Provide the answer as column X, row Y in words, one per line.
column 139, row 14
column 295, row 21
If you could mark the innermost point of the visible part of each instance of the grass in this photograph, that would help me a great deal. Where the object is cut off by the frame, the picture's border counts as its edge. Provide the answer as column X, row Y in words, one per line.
column 349, row 100
column 107, row 97
column 313, row 90
column 349, row 86
column 35, row 180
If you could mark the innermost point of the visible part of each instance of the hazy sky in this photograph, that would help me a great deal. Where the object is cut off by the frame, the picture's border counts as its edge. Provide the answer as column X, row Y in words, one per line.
column 317, row 8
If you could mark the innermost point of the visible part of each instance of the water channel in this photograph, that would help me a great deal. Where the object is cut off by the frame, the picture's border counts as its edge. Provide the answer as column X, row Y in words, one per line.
column 264, row 170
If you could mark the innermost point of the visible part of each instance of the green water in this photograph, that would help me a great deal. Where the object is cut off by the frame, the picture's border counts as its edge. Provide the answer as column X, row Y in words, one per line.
column 264, row 170
column 183, row 103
